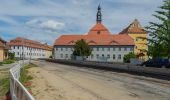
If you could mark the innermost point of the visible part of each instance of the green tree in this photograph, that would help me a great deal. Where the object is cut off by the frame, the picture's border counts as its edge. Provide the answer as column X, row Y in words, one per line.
column 159, row 43
column 81, row 48
column 11, row 56
column 128, row 56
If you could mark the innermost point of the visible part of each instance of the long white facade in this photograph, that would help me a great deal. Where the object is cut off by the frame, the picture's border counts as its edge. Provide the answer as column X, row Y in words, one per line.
column 99, row 53
column 28, row 52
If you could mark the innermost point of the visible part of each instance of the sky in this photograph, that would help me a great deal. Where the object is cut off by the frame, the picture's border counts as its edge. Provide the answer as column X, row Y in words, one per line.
column 46, row 20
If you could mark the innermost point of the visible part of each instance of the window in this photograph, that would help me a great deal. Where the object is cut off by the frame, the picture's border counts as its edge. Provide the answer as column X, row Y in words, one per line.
column 113, row 49
column 66, row 55
column 18, row 47
column 131, row 49
column 119, row 56
column 66, row 49
column 97, row 55
column 97, row 49
column 119, row 48
column 125, row 49
column 108, row 49
column 92, row 56
column 17, row 53
column 103, row 55
column 114, row 56
column 61, row 49
column 108, row 56
column 98, row 32
column 14, row 47
column 136, row 39
column 56, row 49
column 61, row 55
column 102, row 49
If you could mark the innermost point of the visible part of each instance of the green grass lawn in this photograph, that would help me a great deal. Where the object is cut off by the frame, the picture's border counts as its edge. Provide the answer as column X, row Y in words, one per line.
column 1, row 63
column 8, row 61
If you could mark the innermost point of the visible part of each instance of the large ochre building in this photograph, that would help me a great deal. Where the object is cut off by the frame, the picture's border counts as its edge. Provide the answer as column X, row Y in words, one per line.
column 136, row 31
column 3, row 50
column 105, row 46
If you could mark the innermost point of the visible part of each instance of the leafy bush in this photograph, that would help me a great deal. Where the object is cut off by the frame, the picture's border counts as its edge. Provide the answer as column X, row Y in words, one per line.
column 1, row 63
column 8, row 61
column 128, row 56
column 11, row 56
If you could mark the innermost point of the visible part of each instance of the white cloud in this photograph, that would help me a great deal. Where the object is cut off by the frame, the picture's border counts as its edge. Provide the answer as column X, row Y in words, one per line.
column 46, row 24
column 51, row 24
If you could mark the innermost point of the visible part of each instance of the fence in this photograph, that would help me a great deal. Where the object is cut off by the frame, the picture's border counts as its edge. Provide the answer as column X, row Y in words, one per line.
column 17, row 90
column 162, row 73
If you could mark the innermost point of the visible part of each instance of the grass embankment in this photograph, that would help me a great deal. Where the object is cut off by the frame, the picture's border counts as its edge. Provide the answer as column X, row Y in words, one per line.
column 7, row 62
column 4, row 83
column 25, row 79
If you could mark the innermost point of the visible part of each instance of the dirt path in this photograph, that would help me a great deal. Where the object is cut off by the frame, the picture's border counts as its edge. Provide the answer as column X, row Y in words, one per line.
column 61, row 82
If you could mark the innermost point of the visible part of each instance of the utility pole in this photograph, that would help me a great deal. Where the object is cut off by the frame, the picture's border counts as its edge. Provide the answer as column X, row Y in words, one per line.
column 30, row 54
column 23, row 50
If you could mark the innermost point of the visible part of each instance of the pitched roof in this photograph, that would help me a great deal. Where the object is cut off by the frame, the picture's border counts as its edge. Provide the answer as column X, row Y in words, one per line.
column 134, row 27
column 99, row 28
column 3, row 44
column 120, row 39
column 29, row 43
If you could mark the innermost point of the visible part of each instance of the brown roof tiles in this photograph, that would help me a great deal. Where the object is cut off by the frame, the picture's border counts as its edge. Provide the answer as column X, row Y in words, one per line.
column 134, row 27
column 29, row 43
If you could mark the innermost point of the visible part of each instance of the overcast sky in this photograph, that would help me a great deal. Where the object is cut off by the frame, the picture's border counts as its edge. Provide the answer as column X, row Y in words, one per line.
column 46, row 20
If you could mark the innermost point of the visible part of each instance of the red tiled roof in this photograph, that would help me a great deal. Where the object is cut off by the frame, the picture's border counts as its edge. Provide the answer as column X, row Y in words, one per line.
column 134, row 27
column 3, row 44
column 99, row 28
column 98, row 35
column 120, row 39
column 29, row 43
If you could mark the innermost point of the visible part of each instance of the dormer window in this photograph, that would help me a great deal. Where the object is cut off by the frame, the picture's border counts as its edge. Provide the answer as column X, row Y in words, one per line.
column 98, row 32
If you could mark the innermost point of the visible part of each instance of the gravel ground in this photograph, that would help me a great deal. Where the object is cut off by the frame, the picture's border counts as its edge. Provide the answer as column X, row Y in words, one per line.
column 62, row 82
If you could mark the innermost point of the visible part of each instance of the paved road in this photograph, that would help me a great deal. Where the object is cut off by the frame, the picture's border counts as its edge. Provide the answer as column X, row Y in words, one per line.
column 62, row 82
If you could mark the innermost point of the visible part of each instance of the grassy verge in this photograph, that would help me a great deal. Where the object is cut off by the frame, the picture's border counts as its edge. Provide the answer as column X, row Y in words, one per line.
column 8, row 61
column 25, row 78
column 1, row 63
column 4, row 84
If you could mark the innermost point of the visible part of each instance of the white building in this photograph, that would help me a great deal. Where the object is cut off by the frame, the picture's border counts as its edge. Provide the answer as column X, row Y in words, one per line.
column 105, row 46
column 28, row 49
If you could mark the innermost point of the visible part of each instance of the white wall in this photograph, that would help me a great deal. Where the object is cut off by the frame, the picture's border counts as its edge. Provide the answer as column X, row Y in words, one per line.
column 32, row 53
column 107, row 51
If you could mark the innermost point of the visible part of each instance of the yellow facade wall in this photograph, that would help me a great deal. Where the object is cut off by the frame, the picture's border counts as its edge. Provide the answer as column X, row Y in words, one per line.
column 48, row 53
column 140, row 44
column 1, row 54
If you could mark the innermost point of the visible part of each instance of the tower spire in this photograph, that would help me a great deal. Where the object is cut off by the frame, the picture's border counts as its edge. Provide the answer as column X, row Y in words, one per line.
column 99, row 15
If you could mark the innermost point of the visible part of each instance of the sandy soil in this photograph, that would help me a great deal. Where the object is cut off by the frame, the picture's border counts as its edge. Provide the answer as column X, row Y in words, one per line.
column 61, row 82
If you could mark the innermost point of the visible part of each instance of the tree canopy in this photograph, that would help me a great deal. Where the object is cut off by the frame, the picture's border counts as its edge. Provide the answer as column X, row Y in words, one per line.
column 159, row 43
column 81, row 48
column 128, row 56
